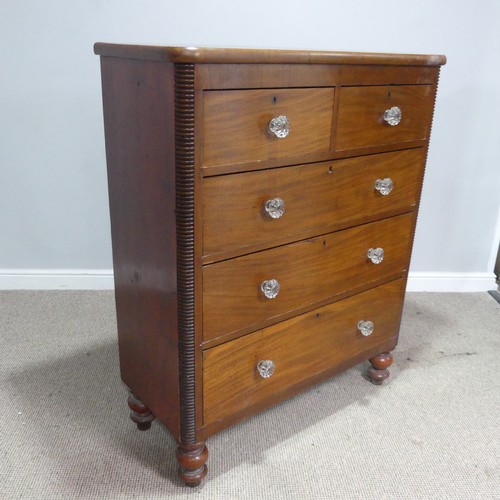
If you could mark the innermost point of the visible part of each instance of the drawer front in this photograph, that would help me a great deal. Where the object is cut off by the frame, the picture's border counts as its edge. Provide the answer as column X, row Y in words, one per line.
column 235, row 124
column 361, row 115
column 300, row 348
column 308, row 272
column 315, row 196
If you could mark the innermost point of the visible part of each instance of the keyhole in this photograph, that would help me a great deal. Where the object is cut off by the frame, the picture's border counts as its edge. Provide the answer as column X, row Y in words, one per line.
column 275, row 99
column 330, row 169
column 324, row 243
column 389, row 94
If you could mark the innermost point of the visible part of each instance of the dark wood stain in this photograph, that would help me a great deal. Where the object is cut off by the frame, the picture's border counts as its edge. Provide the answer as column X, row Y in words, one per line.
column 139, row 126
column 190, row 166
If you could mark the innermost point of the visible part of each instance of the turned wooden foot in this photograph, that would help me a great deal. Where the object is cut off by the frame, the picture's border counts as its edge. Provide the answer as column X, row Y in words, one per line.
column 139, row 413
column 378, row 372
column 192, row 459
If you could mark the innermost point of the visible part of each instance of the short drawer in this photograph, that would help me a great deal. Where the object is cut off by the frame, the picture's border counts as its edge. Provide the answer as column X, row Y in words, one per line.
column 236, row 292
column 298, row 349
column 261, row 207
column 236, row 124
column 361, row 121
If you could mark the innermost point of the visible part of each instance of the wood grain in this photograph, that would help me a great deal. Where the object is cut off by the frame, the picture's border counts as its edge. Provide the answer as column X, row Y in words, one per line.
column 138, row 98
column 308, row 271
column 235, row 124
column 266, row 56
column 248, row 76
column 317, row 197
column 290, row 391
column 360, row 122
column 248, row 166
column 190, row 164
column 300, row 348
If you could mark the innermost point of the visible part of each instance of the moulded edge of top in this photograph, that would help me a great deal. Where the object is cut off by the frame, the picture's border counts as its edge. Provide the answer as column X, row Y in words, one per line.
column 205, row 55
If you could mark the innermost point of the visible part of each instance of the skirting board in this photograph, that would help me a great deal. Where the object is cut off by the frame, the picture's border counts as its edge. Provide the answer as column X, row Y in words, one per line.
column 56, row 279
column 102, row 279
column 451, row 282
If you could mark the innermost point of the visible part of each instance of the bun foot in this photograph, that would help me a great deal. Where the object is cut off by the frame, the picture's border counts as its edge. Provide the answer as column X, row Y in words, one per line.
column 139, row 413
column 192, row 459
column 378, row 372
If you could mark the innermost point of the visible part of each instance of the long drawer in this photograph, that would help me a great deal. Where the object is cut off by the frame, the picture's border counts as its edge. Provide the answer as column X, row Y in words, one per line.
column 261, row 207
column 236, row 124
column 236, row 292
column 296, row 349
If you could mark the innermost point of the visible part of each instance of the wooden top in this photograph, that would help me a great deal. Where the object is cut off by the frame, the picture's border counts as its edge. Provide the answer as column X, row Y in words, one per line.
column 261, row 56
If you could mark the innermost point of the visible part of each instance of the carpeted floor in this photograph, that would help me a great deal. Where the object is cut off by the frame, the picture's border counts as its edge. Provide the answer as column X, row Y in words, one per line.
column 432, row 432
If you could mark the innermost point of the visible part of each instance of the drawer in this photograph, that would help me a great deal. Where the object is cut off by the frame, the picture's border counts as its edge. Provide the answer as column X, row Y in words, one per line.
column 308, row 272
column 235, row 124
column 315, row 197
column 361, row 115
column 299, row 348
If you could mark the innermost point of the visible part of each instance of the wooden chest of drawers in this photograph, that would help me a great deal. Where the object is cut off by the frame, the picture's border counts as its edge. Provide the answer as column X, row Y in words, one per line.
column 263, row 206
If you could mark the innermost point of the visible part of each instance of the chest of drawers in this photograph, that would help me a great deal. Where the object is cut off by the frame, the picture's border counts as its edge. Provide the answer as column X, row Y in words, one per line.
column 263, row 206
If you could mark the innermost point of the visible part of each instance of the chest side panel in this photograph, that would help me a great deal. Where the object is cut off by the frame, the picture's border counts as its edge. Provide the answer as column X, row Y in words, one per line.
column 139, row 125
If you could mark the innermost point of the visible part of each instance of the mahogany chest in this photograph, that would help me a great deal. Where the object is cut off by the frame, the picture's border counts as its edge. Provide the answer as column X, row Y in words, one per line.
column 263, row 206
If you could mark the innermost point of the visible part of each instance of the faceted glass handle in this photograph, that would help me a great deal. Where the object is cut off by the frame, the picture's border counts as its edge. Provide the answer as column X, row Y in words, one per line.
column 376, row 255
column 266, row 368
column 270, row 288
column 384, row 186
column 275, row 208
column 393, row 116
column 365, row 327
column 279, row 126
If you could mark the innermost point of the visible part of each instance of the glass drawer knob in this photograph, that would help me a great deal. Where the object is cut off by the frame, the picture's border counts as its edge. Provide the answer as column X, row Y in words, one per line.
column 266, row 368
column 376, row 255
column 270, row 288
column 384, row 186
column 279, row 126
column 393, row 116
column 275, row 208
column 365, row 327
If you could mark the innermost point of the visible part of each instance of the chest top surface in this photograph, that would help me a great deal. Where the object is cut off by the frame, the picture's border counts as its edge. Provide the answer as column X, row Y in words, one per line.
column 261, row 56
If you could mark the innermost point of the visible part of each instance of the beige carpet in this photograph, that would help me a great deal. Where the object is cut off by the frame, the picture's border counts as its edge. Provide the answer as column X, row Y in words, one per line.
column 432, row 432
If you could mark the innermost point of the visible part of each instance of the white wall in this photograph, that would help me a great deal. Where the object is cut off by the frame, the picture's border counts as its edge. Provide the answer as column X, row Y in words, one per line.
column 53, row 197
